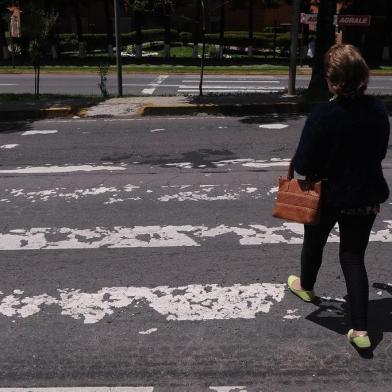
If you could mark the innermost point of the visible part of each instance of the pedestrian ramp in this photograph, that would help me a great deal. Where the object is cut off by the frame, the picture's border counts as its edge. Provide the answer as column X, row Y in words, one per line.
column 230, row 84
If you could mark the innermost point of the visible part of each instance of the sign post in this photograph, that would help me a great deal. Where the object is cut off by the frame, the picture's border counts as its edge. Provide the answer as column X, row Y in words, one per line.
column 118, row 47
column 294, row 47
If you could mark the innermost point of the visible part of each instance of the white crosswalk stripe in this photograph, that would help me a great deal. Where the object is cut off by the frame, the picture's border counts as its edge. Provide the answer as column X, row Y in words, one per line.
column 229, row 85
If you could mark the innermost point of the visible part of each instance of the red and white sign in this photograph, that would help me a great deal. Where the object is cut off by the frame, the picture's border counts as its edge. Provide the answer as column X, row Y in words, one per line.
column 341, row 20
column 354, row 20
column 308, row 18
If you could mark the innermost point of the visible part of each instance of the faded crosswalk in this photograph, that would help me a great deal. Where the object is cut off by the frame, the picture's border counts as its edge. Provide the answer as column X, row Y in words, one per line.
column 127, row 272
column 230, row 85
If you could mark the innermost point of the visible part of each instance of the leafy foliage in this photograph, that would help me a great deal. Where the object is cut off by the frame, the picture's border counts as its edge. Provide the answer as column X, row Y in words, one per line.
column 39, row 28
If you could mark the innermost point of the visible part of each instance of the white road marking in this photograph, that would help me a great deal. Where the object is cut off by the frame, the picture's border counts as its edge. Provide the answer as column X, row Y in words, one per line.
column 60, row 169
column 162, row 236
column 245, row 162
column 273, row 126
column 290, row 314
column 148, row 332
column 156, row 83
column 148, row 91
column 8, row 146
column 234, row 77
column 157, row 130
column 229, row 389
column 80, row 389
column 231, row 90
column 8, row 84
column 129, row 192
column 193, row 302
column 232, row 81
column 225, row 87
column 43, row 132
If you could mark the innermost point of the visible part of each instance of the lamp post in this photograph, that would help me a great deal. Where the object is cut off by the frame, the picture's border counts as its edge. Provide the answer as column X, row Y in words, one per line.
column 118, row 47
column 294, row 47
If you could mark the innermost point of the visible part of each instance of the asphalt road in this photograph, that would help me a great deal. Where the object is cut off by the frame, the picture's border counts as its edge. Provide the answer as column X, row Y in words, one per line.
column 164, row 84
column 142, row 252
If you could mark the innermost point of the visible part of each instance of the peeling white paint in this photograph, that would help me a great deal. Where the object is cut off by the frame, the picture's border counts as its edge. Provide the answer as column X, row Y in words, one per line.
column 136, row 193
column 245, row 162
column 149, row 331
column 229, row 389
column 157, row 130
column 8, row 146
column 273, row 190
column 80, row 389
column 60, row 169
column 334, row 299
column 290, row 314
column 161, row 236
column 185, row 303
column 273, row 126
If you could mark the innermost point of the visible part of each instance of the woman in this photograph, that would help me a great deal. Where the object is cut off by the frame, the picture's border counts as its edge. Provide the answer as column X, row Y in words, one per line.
column 343, row 143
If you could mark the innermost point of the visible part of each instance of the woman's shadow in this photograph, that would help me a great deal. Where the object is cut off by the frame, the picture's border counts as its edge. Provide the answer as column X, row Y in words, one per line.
column 334, row 315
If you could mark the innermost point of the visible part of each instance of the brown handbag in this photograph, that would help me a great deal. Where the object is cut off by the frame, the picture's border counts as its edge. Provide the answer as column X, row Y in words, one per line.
column 298, row 200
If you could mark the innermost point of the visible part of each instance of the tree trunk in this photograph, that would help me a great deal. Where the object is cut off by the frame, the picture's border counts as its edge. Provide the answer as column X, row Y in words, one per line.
column 109, row 27
column 325, row 38
column 38, row 77
column 222, row 29
column 251, row 27
column 138, row 31
column 167, row 19
column 196, row 30
column 79, row 29
column 3, row 41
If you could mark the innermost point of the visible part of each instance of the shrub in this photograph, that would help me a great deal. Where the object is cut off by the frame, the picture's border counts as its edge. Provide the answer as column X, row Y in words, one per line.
column 185, row 37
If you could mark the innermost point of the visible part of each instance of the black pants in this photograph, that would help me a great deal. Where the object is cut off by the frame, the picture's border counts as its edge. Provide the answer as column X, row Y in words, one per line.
column 354, row 238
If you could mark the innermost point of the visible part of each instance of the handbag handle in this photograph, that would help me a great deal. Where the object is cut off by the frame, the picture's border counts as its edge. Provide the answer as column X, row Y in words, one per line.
column 290, row 174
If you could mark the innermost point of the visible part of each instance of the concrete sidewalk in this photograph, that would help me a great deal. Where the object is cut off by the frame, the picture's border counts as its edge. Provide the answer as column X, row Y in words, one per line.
column 149, row 106
column 236, row 105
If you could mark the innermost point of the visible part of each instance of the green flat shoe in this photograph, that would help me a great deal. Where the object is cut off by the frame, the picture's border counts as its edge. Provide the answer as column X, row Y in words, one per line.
column 359, row 341
column 307, row 296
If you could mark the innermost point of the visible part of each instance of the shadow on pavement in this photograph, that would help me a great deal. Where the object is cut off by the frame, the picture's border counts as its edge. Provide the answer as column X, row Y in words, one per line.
column 272, row 118
column 334, row 315
column 16, row 126
column 206, row 158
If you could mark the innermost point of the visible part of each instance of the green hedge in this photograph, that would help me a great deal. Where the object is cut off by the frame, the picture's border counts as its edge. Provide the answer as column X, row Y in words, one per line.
column 260, row 40
column 69, row 42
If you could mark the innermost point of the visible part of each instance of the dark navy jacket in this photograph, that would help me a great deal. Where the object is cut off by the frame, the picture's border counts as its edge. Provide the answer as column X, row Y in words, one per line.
column 344, row 142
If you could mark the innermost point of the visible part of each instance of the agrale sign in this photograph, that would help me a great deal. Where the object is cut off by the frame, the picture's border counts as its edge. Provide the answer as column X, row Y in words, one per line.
column 341, row 20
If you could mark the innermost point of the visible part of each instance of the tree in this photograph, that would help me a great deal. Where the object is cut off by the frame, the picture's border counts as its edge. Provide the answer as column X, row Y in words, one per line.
column 222, row 23
column 138, row 7
column 3, row 40
column 75, row 7
column 109, row 26
column 164, row 9
column 325, row 38
column 38, row 26
column 196, row 28
column 251, row 8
